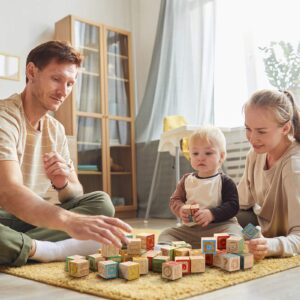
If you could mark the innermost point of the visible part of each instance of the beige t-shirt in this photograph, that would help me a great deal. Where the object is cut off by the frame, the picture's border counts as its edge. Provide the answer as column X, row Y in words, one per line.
column 20, row 142
column 274, row 195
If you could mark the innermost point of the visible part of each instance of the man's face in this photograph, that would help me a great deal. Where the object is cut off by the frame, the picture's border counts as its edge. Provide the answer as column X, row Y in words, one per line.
column 53, row 84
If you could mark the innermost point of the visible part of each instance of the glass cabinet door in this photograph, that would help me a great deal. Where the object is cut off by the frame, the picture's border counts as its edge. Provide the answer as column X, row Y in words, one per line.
column 120, row 162
column 88, row 107
column 87, row 41
column 118, row 74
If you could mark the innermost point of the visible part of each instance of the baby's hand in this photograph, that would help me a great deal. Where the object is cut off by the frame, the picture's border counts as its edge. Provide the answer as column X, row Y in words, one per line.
column 184, row 216
column 203, row 217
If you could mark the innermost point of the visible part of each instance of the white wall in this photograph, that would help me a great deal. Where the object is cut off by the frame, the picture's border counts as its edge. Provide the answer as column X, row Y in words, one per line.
column 27, row 23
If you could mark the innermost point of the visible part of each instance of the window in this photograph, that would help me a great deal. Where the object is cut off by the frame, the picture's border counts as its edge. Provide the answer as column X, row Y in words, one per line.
column 241, row 27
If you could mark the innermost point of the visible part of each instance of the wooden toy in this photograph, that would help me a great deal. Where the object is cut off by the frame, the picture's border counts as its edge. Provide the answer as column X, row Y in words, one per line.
column 129, row 270
column 147, row 239
column 197, row 264
column 217, row 259
column 209, row 245
column 116, row 258
column 209, row 259
column 79, row 267
column 181, row 252
column 250, row 232
column 134, row 246
column 235, row 244
column 230, row 262
column 108, row 269
column 144, row 264
column 167, row 250
column 150, row 254
column 70, row 258
column 157, row 262
column 194, row 209
column 179, row 244
column 185, row 262
column 109, row 250
column 93, row 260
column 246, row 260
column 221, row 240
column 171, row 270
column 196, row 252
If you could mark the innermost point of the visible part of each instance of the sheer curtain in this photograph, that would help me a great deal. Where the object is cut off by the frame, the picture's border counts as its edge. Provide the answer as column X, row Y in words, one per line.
column 181, row 74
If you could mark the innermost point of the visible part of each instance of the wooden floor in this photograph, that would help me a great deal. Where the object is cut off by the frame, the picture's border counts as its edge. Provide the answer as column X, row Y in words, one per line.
column 284, row 285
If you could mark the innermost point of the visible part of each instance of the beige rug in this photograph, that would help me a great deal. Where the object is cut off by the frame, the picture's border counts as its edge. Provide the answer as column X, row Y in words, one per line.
column 150, row 286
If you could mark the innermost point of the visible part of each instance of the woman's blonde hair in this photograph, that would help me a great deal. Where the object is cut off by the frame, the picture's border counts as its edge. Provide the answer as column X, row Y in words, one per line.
column 282, row 105
column 211, row 135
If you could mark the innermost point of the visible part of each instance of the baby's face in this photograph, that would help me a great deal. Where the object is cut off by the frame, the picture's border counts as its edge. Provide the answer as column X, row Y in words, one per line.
column 206, row 158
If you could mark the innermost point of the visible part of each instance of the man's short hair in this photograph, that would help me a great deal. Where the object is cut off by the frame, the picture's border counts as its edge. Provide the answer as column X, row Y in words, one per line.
column 58, row 51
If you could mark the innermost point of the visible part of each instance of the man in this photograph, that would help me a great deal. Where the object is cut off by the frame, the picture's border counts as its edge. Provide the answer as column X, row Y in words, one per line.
column 33, row 155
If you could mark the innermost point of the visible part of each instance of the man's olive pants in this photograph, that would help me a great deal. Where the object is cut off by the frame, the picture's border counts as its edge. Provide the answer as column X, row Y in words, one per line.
column 16, row 236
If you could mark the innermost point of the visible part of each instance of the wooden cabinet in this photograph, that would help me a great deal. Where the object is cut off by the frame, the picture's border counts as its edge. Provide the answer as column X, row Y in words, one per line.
column 100, row 111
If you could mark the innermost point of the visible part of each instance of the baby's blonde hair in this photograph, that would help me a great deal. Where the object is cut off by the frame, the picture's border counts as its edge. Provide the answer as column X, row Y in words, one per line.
column 211, row 135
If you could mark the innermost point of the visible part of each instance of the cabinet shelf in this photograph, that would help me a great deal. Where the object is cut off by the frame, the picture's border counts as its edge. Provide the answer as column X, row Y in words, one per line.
column 117, row 78
column 80, row 172
column 117, row 55
column 81, row 71
column 81, row 47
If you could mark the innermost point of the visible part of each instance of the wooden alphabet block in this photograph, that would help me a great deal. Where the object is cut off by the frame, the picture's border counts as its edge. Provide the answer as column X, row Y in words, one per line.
column 250, row 232
column 185, row 262
column 70, row 258
column 235, row 244
column 147, row 240
column 209, row 259
column 197, row 264
column 157, row 262
column 79, row 268
column 109, row 250
column 230, row 262
column 150, row 255
column 167, row 250
column 108, row 269
column 129, row 270
column 134, row 246
column 209, row 245
column 221, row 240
column 179, row 244
column 144, row 264
column 246, row 260
column 181, row 252
column 171, row 270
column 196, row 252
column 116, row 258
column 93, row 260
column 217, row 259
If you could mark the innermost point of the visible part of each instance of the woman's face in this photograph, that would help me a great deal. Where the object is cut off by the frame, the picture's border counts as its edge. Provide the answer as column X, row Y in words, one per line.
column 262, row 131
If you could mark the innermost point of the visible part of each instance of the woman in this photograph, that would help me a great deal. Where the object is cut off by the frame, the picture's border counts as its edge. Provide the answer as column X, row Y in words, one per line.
column 271, row 181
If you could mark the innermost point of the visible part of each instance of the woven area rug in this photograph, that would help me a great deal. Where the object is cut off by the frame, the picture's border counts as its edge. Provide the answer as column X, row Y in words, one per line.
column 150, row 286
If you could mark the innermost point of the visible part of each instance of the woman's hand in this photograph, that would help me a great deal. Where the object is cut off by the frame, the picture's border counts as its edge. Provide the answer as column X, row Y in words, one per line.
column 259, row 248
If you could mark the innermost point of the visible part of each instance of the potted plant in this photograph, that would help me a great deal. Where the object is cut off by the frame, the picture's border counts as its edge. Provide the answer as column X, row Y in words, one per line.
column 282, row 66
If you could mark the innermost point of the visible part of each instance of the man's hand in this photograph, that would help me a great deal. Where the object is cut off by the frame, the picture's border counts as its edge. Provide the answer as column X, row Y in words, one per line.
column 103, row 229
column 203, row 217
column 57, row 169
